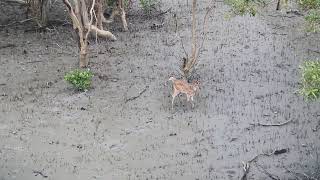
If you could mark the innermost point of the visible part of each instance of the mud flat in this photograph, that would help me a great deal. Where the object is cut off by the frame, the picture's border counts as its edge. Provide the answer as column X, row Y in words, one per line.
column 249, row 74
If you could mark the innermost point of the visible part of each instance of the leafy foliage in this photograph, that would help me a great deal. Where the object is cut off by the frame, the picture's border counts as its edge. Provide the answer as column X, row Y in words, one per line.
column 242, row 7
column 310, row 4
column 147, row 5
column 80, row 79
column 313, row 20
column 110, row 2
column 313, row 17
column 311, row 79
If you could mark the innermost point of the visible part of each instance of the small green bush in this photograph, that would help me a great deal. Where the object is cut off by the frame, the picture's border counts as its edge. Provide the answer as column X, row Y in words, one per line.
column 111, row 3
column 242, row 7
column 313, row 20
column 310, row 4
column 311, row 79
column 80, row 79
column 147, row 5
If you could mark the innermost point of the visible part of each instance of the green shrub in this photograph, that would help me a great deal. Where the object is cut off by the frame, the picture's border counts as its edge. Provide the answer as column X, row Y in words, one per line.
column 242, row 7
column 313, row 20
column 311, row 79
column 147, row 5
column 310, row 4
column 111, row 3
column 80, row 79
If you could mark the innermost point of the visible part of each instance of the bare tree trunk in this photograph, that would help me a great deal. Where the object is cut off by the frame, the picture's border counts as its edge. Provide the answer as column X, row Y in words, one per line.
column 189, row 62
column 281, row 4
column 99, row 14
column 39, row 10
column 82, row 23
column 44, row 12
column 123, row 15
column 194, row 38
column 83, row 56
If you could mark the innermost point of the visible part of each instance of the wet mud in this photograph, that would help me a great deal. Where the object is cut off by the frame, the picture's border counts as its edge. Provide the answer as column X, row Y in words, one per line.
column 124, row 127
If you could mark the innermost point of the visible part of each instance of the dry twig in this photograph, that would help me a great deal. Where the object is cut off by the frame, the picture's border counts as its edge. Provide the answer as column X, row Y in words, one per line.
column 303, row 174
column 16, row 1
column 7, row 45
column 280, row 124
column 135, row 97
column 164, row 12
column 39, row 173
column 16, row 22
column 261, row 169
column 246, row 165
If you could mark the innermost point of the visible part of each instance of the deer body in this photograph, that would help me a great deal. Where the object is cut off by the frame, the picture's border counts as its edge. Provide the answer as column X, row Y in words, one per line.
column 182, row 86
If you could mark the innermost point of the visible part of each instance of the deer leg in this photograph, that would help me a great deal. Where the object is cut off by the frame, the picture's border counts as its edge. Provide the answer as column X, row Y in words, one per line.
column 192, row 102
column 188, row 98
column 175, row 93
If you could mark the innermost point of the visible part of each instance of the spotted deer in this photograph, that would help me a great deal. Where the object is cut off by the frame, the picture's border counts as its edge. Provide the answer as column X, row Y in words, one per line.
column 182, row 86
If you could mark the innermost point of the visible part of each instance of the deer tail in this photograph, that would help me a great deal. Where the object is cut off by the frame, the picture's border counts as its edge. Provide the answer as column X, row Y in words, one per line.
column 171, row 79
